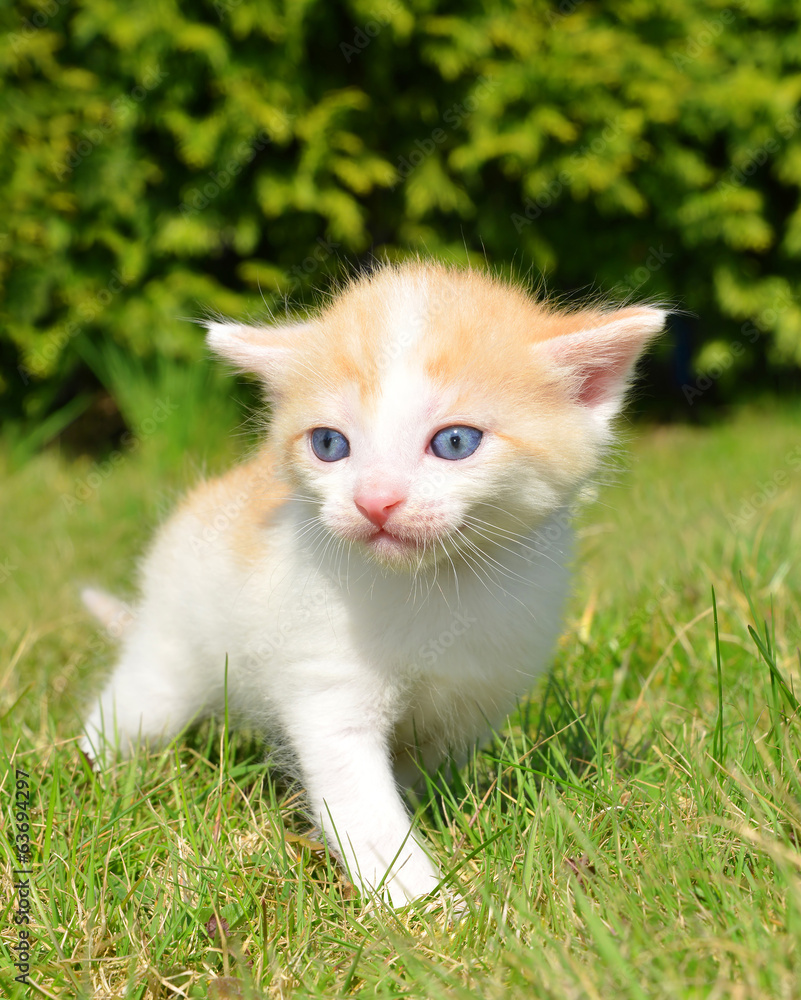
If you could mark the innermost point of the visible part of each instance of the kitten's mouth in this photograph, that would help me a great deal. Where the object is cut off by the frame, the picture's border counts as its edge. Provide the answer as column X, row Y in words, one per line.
column 393, row 549
column 385, row 543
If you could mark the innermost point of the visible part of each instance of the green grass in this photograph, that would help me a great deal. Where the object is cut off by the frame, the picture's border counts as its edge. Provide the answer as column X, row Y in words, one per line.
column 634, row 832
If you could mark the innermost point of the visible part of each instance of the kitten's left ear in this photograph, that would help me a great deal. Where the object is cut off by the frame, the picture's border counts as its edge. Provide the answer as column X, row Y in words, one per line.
column 265, row 350
column 597, row 362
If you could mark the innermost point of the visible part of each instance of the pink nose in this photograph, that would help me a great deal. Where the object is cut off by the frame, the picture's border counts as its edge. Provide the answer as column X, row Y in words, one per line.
column 377, row 507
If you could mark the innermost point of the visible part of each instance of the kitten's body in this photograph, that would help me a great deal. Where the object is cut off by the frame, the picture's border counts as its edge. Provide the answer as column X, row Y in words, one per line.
column 382, row 609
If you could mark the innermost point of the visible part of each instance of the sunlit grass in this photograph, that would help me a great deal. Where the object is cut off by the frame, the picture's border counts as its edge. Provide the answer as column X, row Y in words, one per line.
column 622, row 837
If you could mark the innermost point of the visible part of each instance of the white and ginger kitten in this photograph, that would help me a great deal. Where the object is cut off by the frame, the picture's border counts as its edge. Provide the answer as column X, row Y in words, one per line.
column 387, row 577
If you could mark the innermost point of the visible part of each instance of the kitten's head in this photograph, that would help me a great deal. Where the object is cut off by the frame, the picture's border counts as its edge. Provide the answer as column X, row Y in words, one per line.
column 427, row 410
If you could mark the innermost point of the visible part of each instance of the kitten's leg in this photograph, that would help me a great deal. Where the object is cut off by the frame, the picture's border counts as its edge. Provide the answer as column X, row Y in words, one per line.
column 344, row 758
column 154, row 692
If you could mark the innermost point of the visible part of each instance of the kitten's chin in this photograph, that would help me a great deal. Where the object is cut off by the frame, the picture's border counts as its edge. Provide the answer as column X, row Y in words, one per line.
column 392, row 550
column 413, row 552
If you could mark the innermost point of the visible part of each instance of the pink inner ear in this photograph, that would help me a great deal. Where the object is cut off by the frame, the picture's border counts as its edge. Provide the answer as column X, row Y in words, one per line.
column 600, row 359
column 601, row 379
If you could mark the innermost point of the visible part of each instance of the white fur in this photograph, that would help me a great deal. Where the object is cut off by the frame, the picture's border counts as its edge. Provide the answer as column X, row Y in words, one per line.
column 362, row 669
column 346, row 671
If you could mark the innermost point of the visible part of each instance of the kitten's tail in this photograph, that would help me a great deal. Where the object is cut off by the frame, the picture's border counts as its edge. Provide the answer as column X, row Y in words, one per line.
column 113, row 614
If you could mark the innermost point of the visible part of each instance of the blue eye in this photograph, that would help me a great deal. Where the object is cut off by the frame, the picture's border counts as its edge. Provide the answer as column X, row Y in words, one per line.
column 329, row 445
column 453, row 443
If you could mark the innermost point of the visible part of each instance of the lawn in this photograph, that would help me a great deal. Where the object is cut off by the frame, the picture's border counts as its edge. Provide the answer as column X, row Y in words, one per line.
column 635, row 831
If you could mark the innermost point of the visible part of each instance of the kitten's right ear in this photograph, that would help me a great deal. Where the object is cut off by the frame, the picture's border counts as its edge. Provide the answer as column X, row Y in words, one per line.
column 264, row 350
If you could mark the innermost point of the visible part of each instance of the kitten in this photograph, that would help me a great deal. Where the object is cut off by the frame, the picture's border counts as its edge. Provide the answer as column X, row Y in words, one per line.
column 386, row 577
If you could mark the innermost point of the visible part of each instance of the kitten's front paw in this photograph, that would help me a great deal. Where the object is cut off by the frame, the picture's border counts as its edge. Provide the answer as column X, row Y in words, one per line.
column 411, row 878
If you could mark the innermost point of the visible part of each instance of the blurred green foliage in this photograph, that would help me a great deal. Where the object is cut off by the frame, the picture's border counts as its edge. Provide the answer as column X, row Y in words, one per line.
column 162, row 158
